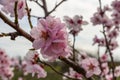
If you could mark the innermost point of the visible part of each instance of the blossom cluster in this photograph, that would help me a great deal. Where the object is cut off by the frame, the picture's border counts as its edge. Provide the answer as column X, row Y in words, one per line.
column 29, row 65
column 6, row 72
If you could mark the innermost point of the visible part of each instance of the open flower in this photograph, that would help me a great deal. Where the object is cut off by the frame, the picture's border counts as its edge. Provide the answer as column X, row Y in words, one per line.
column 75, row 24
column 91, row 66
column 51, row 37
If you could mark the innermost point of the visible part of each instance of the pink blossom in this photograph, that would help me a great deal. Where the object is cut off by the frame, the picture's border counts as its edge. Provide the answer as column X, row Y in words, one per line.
column 117, row 71
column 29, row 65
column 109, row 77
column 116, row 5
column 113, row 34
column 8, row 7
column 73, row 74
column 91, row 66
column 75, row 24
column 101, row 18
column 5, row 66
column 105, row 69
column 113, row 44
column 51, row 37
column 104, row 58
column 31, row 56
column 99, row 41
column 34, row 69
column 20, row 78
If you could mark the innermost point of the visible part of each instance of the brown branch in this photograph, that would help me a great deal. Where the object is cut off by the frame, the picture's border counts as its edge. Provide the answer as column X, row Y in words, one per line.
column 13, row 35
column 36, row 1
column 45, row 8
column 16, row 27
column 60, row 73
column 56, row 6
column 29, row 17
column 15, row 12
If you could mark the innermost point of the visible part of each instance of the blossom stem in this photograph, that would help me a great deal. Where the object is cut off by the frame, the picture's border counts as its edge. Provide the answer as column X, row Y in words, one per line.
column 74, row 54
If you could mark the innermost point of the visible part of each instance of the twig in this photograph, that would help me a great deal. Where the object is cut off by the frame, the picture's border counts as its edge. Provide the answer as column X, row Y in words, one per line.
column 15, row 12
column 13, row 35
column 45, row 8
column 56, row 6
column 60, row 73
column 29, row 17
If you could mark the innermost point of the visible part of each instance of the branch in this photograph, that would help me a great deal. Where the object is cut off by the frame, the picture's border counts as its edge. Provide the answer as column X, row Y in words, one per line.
column 13, row 35
column 29, row 17
column 15, row 12
column 45, row 8
column 16, row 27
column 56, row 6
column 60, row 73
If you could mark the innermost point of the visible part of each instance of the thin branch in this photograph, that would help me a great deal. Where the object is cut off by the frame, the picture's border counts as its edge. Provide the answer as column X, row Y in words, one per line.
column 45, row 8
column 56, row 6
column 36, row 1
column 29, row 17
column 15, row 12
column 13, row 35
column 60, row 73
column 107, row 43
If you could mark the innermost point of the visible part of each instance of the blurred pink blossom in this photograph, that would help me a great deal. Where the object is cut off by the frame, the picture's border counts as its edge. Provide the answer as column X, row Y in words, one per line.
column 8, row 7
column 6, row 72
column 73, row 74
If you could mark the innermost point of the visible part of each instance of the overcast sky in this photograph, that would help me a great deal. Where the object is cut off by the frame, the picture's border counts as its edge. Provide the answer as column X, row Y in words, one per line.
column 71, row 7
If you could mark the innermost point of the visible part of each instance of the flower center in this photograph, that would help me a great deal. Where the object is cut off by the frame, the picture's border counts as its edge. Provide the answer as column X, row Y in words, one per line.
column 45, row 35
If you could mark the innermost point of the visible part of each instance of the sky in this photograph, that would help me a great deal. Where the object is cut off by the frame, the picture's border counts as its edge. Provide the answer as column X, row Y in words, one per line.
column 86, row 8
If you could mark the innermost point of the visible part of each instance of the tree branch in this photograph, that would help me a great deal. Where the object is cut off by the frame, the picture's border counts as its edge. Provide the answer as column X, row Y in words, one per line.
column 56, row 6
column 16, row 27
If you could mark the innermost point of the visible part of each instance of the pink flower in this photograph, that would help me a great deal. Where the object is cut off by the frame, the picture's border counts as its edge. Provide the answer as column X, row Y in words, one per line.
column 5, row 66
column 109, row 77
column 113, row 34
column 113, row 44
column 73, row 74
column 117, row 71
column 91, row 66
column 20, row 78
column 8, row 7
column 104, row 58
column 34, row 69
column 51, row 37
column 75, row 24
column 116, row 5
column 105, row 69
column 99, row 41
column 29, row 65
column 31, row 56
